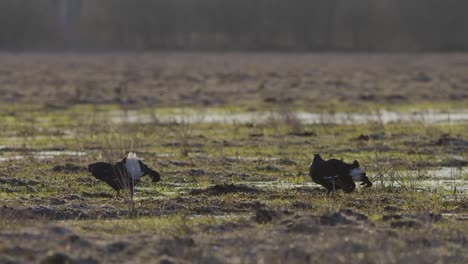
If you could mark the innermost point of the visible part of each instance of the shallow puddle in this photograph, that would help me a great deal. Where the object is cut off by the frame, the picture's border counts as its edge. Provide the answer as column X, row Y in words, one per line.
column 458, row 217
column 459, row 185
column 428, row 185
column 383, row 116
column 48, row 154
column 439, row 173
column 254, row 158
column 43, row 155
column 14, row 157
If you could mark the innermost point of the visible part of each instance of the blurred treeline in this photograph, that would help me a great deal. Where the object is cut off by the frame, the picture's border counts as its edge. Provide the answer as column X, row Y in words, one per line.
column 289, row 25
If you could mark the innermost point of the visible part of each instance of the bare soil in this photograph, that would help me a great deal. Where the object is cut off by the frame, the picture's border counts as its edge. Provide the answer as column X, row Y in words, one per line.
column 268, row 235
column 200, row 79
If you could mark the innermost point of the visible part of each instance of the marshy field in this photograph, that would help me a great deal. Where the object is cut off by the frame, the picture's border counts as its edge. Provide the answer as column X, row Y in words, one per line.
column 233, row 135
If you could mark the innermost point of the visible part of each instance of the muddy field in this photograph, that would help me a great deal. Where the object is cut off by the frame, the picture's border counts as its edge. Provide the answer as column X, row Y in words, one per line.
column 233, row 136
column 255, row 80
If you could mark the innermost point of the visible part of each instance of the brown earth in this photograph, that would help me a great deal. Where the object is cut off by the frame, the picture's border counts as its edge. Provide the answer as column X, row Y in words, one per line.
column 268, row 236
column 177, row 79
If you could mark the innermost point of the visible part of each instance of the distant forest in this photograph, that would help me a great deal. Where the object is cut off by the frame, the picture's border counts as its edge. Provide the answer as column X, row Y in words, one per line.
column 269, row 25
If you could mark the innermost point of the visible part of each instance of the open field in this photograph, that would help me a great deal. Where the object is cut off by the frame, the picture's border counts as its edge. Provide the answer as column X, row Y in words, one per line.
column 233, row 136
column 254, row 80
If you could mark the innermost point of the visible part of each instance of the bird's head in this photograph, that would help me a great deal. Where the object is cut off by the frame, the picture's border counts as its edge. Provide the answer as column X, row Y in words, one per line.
column 317, row 157
column 316, row 161
column 92, row 167
column 155, row 176
column 355, row 164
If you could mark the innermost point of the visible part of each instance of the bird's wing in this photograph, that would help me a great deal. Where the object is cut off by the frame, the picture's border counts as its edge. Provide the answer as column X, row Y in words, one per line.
column 148, row 171
column 346, row 182
column 107, row 171
column 337, row 173
column 101, row 169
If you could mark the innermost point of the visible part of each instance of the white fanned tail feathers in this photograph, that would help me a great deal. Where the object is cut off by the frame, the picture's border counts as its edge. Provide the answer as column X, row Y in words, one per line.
column 356, row 174
column 132, row 166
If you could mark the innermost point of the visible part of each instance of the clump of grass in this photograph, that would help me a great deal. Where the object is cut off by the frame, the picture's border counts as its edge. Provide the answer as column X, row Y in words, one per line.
column 284, row 120
column 182, row 131
column 387, row 173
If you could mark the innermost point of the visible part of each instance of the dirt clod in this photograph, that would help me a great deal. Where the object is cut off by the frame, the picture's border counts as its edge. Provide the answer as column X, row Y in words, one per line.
column 18, row 182
column 367, row 137
column 303, row 134
column 196, row 173
column 57, row 258
column 116, row 247
column 69, row 168
column 220, row 189
column 263, row 216
column 408, row 223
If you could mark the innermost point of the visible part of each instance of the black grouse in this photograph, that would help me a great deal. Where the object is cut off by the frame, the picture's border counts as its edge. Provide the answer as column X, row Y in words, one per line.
column 335, row 174
column 124, row 174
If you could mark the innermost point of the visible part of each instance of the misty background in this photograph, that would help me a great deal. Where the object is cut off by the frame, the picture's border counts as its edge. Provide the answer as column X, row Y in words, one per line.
column 277, row 25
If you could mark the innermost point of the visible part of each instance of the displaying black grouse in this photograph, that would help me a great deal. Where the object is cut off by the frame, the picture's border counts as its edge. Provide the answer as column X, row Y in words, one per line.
column 124, row 174
column 335, row 174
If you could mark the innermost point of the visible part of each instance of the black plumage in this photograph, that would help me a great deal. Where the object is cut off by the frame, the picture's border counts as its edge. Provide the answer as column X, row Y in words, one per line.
column 120, row 176
column 334, row 174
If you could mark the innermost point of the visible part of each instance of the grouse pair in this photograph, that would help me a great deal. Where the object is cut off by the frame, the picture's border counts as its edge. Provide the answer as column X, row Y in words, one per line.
column 332, row 174
column 124, row 174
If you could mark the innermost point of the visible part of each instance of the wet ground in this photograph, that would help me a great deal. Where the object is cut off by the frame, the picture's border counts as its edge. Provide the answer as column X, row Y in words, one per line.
column 235, row 185
column 213, row 116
